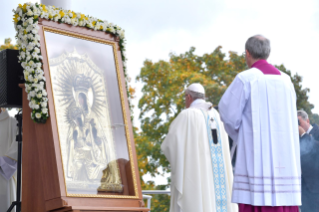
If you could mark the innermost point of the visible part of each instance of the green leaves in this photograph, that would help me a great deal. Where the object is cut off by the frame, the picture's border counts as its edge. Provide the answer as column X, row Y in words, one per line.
column 7, row 45
column 302, row 95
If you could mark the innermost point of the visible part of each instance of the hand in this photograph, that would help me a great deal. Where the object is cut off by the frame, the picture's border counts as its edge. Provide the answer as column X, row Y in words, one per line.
column 301, row 131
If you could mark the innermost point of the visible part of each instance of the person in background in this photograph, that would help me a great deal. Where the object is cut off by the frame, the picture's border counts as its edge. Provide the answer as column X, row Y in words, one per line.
column 259, row 113
column 196, row 147
column 8, row 160
column 309, row 159
column 304, row 123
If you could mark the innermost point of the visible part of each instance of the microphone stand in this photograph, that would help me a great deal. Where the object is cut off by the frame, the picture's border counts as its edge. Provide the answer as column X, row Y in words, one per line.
column 17, row 203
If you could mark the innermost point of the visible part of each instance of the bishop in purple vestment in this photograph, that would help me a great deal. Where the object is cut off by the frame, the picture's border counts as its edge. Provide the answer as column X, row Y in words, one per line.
column 258, row 110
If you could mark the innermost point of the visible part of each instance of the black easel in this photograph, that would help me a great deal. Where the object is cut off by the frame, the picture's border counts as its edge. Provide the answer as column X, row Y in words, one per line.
column 17, row 203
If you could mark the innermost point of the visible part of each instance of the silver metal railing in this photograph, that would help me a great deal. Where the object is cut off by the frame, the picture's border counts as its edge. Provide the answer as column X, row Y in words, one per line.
column 149, row 197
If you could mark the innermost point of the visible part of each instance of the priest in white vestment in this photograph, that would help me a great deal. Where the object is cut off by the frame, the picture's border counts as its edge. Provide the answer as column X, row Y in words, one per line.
column 259, row 113
column 8, row 160
column 201, row 171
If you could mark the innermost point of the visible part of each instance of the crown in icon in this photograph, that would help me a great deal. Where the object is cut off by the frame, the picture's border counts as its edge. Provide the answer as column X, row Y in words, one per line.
column 81, row 83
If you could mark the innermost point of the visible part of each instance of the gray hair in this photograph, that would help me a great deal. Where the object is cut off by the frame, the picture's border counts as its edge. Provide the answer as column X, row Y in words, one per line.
column 195, row 95
column 302, row 114
column 258, row 46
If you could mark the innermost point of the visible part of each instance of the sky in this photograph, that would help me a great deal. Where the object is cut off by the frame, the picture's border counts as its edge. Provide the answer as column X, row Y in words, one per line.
column 155, row 28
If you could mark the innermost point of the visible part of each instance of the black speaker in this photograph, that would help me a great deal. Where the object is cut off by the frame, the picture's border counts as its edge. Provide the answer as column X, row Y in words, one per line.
column 11, row 75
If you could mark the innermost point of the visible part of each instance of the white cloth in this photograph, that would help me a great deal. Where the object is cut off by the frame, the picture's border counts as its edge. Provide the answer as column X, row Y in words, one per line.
column 259, row 114
column 309, row 129
column 8, row 157
column 187, row 148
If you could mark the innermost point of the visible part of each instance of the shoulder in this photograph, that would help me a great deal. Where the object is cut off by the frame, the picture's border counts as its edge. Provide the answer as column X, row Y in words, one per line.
column 315, row 131
column 190, row 115
column 214, row 112
column 305, row 137
column 285, row 76
column 13, row 120
column 190, row 112
column 215, row 115
column 249, row 75
column 315, row 126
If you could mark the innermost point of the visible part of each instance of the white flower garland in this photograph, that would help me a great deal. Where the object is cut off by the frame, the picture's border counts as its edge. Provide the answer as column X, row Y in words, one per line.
column 28, row 40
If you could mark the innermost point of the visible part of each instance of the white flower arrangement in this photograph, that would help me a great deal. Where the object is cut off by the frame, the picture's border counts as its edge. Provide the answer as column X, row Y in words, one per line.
column 26, row 18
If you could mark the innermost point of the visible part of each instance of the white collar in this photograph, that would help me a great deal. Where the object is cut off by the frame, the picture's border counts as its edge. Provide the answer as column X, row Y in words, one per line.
column 309, row 129
column 201, row 104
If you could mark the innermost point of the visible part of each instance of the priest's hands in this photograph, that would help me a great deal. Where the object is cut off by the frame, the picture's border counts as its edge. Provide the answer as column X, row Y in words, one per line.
column 301, row 131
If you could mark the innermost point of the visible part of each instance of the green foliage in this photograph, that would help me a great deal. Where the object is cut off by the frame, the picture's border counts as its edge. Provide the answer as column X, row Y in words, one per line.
column 163, row 99
column 160, row 202
column 302, row 95
column 7, row 45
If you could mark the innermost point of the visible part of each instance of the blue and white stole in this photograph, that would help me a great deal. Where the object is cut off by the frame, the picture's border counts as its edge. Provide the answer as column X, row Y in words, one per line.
column 219, row 172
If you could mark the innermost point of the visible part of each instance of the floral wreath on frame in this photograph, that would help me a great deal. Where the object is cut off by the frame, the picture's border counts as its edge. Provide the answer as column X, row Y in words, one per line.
column 25, row 19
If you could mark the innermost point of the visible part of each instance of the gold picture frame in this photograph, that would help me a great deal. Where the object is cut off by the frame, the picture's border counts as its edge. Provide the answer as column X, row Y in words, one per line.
column 128, row 135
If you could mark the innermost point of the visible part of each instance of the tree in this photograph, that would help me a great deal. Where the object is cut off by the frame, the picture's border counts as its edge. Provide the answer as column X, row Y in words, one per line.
column 163, row 99
column 302, row 95
column 7, row 45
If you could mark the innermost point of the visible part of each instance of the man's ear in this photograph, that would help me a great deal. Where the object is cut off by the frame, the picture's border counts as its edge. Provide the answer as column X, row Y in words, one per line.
column 247, row 53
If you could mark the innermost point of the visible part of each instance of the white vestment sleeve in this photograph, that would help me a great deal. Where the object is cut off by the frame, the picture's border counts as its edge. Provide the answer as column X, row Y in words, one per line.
column 231, row 107
column 8, row 163
column 12, row 152
column 8, row 167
